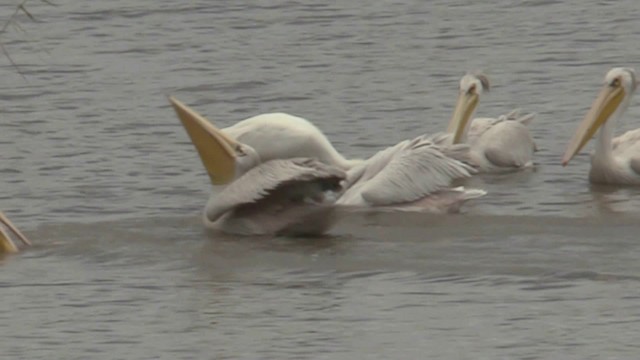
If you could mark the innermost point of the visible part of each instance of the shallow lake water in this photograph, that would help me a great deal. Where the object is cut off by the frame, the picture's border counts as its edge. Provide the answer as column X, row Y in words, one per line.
column 97, row 170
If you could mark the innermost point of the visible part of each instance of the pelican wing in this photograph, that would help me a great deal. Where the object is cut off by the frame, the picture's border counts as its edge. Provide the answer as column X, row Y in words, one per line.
column 501, row 158
column 634, row 163
column 459, row 152
column 626, row 141
column 627, row 145
column 262, row 180
column 506, row 141
column 406, row 172
column 508, row 144
column 480, row 125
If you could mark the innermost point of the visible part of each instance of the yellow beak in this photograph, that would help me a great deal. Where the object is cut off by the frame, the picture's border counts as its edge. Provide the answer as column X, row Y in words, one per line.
column 216, row 150
column 465, row 106
column 6, row 245
column 602, row 108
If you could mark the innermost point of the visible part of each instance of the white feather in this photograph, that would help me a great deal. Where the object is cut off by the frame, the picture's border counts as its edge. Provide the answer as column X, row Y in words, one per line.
column 503, row 143
column 261, row 181
column 274, row 134
column 406, row 172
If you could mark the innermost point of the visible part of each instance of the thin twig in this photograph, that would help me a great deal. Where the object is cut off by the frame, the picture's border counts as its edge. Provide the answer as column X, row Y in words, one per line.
column 6, row 53
column 20, row 8
column 15, row 13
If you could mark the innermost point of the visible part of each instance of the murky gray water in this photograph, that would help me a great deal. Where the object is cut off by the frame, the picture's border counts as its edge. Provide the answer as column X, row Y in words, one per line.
column 99, row 173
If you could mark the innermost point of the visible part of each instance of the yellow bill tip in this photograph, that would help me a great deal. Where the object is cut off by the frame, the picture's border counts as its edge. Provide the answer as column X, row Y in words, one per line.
column 4, row 220
column 6, row 245
column 216, row 149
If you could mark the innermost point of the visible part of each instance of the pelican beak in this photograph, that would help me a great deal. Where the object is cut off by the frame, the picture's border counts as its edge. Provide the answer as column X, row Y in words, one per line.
column 6, row 245
column 602, row 108
column 465, row 106
column 216, row 150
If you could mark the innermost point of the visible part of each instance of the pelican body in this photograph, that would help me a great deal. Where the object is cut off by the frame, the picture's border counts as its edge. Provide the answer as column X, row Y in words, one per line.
column 282, row 136
column 284, row 197
column 496, row 144
column 7, row 245
column 614, row 160
column 279, row 196
column 415, row 174
column 274, row 134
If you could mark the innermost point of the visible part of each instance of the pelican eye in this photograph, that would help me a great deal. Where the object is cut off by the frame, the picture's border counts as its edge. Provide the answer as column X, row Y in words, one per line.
column 472, row 89
column 240, row 151
column 615, row 82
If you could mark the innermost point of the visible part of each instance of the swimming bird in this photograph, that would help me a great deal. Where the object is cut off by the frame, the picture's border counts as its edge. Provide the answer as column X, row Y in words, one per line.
column 614, row 160
column 285, row 197
column 496, row 144
column 279, row 196
column 6, row 244
column 412, row 175
column 281, row 135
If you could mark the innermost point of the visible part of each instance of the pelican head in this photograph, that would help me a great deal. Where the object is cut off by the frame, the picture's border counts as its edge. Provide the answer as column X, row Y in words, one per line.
column 619, row 84
column 224, row 158
column 471, row 86
column 6, row 244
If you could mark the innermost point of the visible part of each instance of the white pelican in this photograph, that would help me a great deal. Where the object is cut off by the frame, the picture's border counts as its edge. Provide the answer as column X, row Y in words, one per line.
column 280, row 196
column 6, row 244
column 502, row 144
column 615, row 160
column 413, row 174
column 289, row 197
column 280, row 135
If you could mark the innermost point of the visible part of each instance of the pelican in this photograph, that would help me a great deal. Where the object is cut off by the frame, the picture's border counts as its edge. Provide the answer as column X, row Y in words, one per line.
column 280, row 196
column 281, row 135
column 496, row 144
column 284, row 196
column 6, row 244
column 412, row 175
column 615, row 160
column 266, row 134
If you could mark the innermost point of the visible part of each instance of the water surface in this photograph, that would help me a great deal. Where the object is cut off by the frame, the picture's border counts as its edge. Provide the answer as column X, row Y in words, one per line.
column 98, row 171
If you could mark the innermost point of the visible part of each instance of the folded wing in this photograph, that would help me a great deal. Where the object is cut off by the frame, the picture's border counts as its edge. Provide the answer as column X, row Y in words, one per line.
column 403, row 173
column 289, row 177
